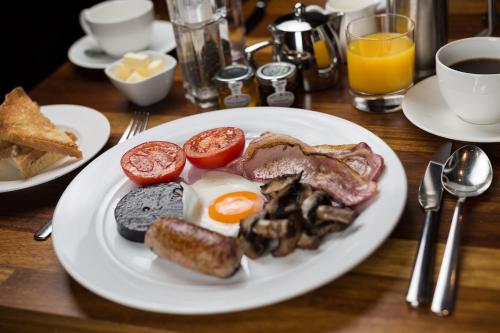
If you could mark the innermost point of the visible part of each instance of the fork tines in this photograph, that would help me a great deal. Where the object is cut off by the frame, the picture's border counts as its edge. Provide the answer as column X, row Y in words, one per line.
column 138, row 123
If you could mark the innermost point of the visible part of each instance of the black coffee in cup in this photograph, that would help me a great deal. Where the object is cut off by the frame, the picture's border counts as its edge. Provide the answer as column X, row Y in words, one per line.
column 478, row 66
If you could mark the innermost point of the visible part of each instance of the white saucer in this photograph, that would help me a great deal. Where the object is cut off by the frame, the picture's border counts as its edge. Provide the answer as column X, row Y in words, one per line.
column 163, row 41
column 424, row 106
column 92, row 130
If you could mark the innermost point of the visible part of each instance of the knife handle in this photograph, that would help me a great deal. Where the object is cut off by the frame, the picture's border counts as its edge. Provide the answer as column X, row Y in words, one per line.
column 421, row 277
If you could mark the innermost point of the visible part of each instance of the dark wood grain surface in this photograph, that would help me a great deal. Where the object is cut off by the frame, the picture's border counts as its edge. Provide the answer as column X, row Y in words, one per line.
column 36, row 295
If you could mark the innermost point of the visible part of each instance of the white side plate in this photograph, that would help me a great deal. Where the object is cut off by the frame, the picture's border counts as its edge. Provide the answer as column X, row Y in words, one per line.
column 92, row 130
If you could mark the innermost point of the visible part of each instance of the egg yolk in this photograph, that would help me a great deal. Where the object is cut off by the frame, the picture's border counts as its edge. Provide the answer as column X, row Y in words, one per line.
column 234, row 206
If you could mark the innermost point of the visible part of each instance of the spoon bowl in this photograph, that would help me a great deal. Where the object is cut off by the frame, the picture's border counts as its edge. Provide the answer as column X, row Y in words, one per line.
column 466, row 173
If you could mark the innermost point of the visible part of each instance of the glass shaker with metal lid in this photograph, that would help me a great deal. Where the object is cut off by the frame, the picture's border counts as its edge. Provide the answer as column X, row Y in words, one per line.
column 201, row 34
column 236, row 86
column 277, row 83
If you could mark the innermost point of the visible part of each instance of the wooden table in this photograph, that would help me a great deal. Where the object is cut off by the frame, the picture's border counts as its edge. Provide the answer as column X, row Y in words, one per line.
column 36, row 294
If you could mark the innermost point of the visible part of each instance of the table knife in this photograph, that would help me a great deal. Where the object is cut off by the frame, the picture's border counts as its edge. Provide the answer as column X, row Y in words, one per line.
column 430, row 193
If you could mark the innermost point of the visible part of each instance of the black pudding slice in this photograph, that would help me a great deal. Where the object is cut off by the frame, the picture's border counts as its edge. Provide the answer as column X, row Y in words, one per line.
column 143, row 205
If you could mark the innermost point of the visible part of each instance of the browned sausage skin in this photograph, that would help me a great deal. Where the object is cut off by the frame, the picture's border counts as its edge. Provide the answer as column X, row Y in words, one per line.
column 194, row 247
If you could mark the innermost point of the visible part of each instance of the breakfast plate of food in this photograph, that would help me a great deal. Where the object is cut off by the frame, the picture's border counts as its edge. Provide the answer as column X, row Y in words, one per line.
column 229, row 210
column 39, row 144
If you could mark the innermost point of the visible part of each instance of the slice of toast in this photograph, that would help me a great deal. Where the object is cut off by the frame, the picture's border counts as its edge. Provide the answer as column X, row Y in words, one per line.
column 22, row 123
column 31, row 162
column 6, row 149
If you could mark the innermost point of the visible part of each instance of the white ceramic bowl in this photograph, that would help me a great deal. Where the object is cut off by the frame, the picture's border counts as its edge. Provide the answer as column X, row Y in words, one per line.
column 151, row 89
column 473, row 97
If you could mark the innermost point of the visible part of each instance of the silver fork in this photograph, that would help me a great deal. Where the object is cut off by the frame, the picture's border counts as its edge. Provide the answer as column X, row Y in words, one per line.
column 138, row 123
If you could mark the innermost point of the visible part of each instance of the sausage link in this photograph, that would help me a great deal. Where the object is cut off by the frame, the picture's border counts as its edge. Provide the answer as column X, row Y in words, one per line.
column 194, row 247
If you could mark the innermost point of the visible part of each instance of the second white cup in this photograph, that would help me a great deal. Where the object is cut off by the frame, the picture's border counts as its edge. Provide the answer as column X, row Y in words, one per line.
column 473, row 97
column 120, row 26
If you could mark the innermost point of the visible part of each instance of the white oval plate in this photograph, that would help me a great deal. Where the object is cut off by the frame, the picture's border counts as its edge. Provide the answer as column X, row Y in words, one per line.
column 426, row 108
column 92, row 130
column 129, row 273
column 163, row 41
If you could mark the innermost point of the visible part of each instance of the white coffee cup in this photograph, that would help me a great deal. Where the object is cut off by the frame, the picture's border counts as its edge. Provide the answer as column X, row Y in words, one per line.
column 352, row 9
column 473, row 97
column 120, row 26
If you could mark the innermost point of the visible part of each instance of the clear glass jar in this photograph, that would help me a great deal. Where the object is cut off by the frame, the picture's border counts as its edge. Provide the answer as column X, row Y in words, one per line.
column 236, row 86
column 202, row 37
column 277, row 83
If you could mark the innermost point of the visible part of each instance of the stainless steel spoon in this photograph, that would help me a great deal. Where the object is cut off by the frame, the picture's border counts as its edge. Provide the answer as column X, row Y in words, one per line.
column 95, row 53
column 467, row 173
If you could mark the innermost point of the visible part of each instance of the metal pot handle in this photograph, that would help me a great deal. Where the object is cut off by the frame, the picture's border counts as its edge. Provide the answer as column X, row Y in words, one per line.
column 276, row 43
column 250, row 50
column 492, row 12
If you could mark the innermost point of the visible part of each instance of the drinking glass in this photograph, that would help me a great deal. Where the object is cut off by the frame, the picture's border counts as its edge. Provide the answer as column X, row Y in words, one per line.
column 236, row 29
column 380, row 61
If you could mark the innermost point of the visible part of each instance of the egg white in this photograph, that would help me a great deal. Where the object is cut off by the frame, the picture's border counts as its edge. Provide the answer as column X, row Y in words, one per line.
column 198, row 196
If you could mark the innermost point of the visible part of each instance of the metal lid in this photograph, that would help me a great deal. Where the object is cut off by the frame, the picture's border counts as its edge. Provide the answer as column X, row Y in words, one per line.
column 275, row 71
column 236, row 72
column 300, row 20
column 295, row 22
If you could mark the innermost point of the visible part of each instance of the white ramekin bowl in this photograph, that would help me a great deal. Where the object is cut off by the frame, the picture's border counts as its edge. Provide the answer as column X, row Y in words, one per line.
column 151, row 89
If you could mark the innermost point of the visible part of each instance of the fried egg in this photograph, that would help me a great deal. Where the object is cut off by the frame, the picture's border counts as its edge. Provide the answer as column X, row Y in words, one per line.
column 219, row 200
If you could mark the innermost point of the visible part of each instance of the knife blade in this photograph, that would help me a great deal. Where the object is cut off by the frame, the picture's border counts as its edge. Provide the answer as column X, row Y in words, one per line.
column 431, row 190
column 430, row 194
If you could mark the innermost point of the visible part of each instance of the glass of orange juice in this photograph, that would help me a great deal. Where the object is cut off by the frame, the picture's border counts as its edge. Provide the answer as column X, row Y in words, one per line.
column 380, row 61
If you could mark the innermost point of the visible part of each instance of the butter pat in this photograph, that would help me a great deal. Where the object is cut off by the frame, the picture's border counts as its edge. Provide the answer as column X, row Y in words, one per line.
column 136, row 60
column 122, row 72
column 153, row 68
column 136, row 67
column 156, row 66
column 135, row 77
